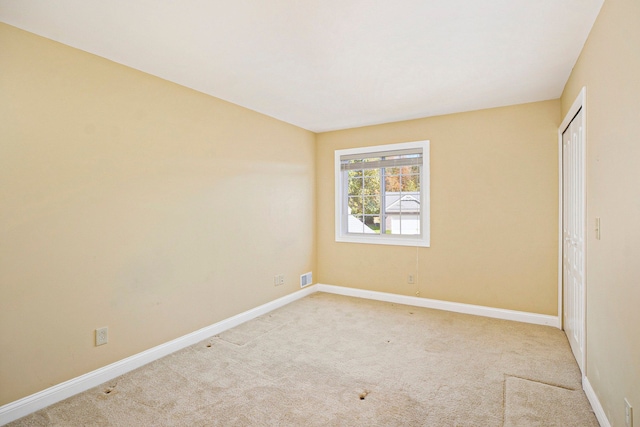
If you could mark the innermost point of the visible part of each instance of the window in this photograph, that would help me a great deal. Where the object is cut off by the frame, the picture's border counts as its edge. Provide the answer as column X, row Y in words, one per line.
column 382, row 194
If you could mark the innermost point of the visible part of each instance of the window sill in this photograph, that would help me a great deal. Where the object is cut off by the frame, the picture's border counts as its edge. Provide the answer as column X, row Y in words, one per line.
column 379, row 240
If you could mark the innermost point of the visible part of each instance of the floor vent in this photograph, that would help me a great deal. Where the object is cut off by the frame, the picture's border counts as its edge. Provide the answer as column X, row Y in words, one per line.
column 306, row 279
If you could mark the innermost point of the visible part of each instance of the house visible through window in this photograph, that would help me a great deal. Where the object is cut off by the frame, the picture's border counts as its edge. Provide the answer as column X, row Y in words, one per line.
column 382, row 194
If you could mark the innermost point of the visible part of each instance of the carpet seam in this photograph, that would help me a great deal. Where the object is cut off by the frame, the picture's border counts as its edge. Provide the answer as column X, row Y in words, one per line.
column 539, row 382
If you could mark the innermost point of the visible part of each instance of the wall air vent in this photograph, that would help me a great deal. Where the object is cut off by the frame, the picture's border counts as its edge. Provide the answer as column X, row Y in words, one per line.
column 306, row 279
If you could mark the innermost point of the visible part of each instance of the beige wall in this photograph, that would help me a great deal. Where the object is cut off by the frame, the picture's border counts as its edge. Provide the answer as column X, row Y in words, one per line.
column 121, row 206
column 609, row 67
column 494, row 211
column 133, row 203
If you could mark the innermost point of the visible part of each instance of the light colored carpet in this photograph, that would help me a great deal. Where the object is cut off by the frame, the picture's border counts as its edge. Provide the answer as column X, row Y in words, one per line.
column 329, row 360
column 532, row 403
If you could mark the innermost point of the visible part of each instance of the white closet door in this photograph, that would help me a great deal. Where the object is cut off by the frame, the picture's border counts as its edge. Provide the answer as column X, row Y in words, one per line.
column 573, row 226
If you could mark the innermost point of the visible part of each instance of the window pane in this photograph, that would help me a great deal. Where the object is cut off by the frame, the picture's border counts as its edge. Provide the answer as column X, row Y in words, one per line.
column 355, row 184
column 372, row 222
column 371, row 205
column 403, row 213
column 410, row 224
column 371, row 184
column 403, row 224
column 355, row 205
column 355, row 224
column 392, row 182
column 410, row 183
column 355, row 173
column 409, row 204
column 392, row 171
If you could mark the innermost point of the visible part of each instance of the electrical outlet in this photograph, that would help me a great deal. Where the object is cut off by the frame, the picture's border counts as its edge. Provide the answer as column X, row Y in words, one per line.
column 102, row 336
column 278, row 279
column 411, row 279
column 628, row 413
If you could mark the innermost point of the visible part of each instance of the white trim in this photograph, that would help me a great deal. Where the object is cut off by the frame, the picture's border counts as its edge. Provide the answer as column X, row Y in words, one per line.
column 579, row 103
column 595, row 403
column 25, row 406
column 376, row 239
column 423, row 240
column 560, row 233
column 478, row 310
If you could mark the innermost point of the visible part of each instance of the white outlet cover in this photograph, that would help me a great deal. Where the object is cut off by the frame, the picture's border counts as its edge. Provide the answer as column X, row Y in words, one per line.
column 102, row 336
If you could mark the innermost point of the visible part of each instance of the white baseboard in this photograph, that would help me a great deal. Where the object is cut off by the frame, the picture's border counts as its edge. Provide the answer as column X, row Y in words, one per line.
column 478, row 310
column 595, row 403
column 25, row 406
column 42, row 399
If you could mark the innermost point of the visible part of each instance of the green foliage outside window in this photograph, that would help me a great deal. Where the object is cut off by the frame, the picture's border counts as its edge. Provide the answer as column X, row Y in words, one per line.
column 365, row 187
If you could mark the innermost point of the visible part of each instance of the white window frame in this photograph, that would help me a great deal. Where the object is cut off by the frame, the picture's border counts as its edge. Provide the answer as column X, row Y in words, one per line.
column 341, row 234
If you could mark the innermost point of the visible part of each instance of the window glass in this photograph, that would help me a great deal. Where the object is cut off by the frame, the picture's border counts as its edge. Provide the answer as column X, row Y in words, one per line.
column 382, row 194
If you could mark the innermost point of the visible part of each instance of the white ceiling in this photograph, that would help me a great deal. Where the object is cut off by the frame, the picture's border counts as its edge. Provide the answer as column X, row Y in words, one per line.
column 332, row 64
